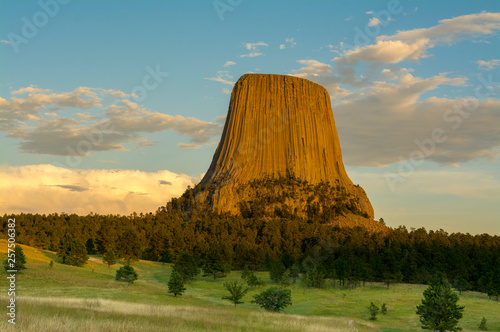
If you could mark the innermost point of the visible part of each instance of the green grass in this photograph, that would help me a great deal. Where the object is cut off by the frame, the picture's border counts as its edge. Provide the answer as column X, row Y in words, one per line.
column 89, row 299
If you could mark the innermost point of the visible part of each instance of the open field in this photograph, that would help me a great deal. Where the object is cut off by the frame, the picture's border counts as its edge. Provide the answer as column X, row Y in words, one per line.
column 66, row 298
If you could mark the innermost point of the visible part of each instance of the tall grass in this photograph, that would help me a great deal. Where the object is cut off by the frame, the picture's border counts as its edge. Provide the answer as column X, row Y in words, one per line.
column 72, row 314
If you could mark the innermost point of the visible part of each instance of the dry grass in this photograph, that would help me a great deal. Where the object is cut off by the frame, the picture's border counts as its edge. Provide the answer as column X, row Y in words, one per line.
column 67, row 314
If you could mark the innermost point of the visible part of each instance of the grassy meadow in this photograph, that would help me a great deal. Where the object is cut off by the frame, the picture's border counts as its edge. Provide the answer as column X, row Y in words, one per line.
column 65, row 298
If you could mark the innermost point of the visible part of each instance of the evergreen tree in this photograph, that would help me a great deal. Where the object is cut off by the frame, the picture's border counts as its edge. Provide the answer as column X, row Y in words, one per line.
column 482, row 326
column 439, row 310
column 126, row 273
column 214, row 265
column 186, row 265
column 236, row 292
column 15, row 260
column 294, row 272
column 109, row 257
column 245, row 273
column 276, row 271
column 461, row 285
column 77, row 253
column 383, row 309
column 176, row 284
column 51, row 264
column 253, row 280
column 130, row 245
column 374, row 309
column 285, row 279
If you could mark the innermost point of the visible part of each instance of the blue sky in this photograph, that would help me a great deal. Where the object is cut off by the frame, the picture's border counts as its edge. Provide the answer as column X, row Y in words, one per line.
column 414, row 88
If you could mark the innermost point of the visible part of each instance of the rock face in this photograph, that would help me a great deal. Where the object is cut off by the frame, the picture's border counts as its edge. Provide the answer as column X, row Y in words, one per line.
column 278, row 127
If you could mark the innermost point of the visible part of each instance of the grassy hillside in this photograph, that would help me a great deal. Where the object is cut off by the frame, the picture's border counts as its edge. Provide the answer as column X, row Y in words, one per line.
column 65, row 297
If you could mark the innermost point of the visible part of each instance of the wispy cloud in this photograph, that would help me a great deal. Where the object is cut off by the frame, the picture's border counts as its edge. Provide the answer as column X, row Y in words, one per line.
column 488, row 65
column 251, row 55
column 254, row 49
column 290, row 42
column 222, row 77
column 229, row 63
column 188, row 146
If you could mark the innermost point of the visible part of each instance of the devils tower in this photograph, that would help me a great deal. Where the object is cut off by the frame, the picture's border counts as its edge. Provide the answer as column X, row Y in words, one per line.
column 280, row 154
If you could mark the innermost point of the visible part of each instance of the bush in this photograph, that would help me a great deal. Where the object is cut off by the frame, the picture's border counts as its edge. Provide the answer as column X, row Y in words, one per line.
column 126, row 273
column 274, row 299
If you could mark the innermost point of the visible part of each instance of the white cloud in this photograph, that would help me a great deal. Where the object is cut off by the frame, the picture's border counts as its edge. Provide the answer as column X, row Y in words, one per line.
column 222, row 77
column 348, row 18
column 188, row 146
column 312, row 68
column 488, row 65
column 226, row 91
column 254, row 46
column 229, row 63
column 48, row 189
column 282, row 46
column 373, row 22
column 369, row 12
column 5, row 41
column 251, row 55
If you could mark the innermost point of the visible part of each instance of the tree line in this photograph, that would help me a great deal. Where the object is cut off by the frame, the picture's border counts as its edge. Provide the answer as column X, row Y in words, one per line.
column 351, row 256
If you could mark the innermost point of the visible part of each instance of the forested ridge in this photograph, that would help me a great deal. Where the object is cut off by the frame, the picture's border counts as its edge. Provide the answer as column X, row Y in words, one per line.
column 350, row 255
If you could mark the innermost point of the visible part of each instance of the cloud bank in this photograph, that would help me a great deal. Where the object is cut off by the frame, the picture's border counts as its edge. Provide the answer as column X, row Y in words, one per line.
column 49, row 189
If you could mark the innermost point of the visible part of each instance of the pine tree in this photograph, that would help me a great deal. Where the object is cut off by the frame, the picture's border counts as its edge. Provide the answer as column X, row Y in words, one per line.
column 109, row 257
column 253, row 280
column 130, row 245
column 294, row 272
column 236, row 292
column 126, row 273
column 374, row 309
column 439, row 310
column 186, row 265
column 77, row 253
column 461, row 285
column 245, row 273
column 176, row 284
column 276, row 271
column 214, row 265
column 482, row 326
column 383, row 309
